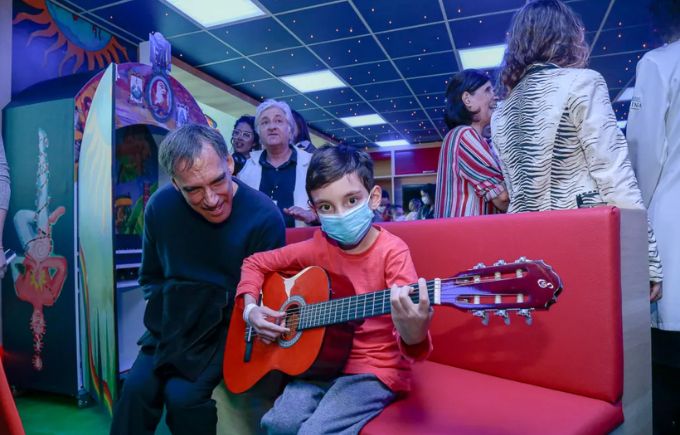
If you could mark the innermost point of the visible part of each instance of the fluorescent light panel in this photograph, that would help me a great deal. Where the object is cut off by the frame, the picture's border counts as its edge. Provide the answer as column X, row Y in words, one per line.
column 211, row 13
column 626, row 95
column 314, row 81
column 363, row 120
column 489, row 56
column 392, row 143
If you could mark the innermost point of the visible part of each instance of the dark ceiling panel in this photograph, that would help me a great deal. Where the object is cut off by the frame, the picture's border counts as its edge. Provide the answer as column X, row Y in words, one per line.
column 293, row 61
column 278, row 6
column 395, row 104
column 469, row 8
column 384, row 15
column 256, row 36
column 405, row 116
column 349, row 51
column 269, row 88
column 636, row 38
column 141, row 17
column 200, row 48
column 420, row 40
column 324, row 23
column 334, row 97
column 480, row 31
column 430, row 85
column 351, row 110
column 316, row 115
column 427, row 65
column 233, row 72
column 384, row 90
column 591, row 12
column 368, row 73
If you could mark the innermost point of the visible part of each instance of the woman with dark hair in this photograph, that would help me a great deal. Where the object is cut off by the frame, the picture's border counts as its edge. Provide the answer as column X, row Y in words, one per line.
column 244, row 138
column 302, row 139
column 469, row 177
column 556, row 131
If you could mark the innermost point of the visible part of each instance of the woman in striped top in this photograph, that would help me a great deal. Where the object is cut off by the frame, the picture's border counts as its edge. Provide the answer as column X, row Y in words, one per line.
column 556, row 132
column 469, row 177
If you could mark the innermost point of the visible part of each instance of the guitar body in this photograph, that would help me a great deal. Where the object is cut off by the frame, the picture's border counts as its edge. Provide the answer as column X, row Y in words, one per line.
column 317, row 352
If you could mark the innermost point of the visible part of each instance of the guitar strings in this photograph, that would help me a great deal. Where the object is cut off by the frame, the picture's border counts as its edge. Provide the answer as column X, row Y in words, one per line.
column 325, row 308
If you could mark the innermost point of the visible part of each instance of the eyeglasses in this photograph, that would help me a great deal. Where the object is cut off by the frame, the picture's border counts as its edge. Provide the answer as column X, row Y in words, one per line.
column 244, row 134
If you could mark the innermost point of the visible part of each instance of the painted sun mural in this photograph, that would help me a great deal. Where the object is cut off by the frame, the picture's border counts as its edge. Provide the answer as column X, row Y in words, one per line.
column 82, row 40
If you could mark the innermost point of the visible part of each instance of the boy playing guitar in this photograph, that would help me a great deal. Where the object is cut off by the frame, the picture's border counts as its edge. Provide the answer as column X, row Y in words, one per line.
column 341, row 189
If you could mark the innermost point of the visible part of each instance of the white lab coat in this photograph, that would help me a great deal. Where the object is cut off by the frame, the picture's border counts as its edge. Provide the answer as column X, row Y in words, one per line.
column 653, row 134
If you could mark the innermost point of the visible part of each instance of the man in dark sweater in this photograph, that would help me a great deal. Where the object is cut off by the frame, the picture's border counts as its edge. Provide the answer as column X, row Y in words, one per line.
column 197, row 232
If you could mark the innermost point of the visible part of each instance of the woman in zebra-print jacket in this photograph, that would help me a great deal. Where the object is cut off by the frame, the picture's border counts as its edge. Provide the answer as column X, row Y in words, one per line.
column 556, row 131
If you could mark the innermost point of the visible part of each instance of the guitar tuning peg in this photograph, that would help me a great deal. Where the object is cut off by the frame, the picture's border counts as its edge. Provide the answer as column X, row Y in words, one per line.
column 499, row 263
column 521, row 259
column 527, row 315
column 483, row 315
column 479, row 266
column 503, row 314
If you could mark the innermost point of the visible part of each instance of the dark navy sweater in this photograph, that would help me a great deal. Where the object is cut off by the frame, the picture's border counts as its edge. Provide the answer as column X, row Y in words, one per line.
column 180, row 244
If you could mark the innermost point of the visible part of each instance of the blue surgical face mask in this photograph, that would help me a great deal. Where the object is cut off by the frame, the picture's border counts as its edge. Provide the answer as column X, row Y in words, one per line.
column 348, row 228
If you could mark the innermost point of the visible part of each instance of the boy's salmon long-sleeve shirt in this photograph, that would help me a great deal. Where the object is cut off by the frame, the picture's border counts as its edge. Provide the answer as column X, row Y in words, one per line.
column 377, row 347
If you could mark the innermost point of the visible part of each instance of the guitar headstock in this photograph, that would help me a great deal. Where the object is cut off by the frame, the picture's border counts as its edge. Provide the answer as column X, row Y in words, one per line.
column 521, row 286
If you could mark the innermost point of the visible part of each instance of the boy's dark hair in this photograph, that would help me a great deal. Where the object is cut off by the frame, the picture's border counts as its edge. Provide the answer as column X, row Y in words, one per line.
column 330, row 163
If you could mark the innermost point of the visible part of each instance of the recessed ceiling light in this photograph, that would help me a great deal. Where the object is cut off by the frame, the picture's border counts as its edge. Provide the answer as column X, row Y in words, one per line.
column 211, row 13
column 314, row 81
column 489, row 56
column 392, row 143
column 622, row 124
column 626, row 95
column 363, row 120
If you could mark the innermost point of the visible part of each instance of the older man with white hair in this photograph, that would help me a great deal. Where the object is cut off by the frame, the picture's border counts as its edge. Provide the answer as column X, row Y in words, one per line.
column 279, row 170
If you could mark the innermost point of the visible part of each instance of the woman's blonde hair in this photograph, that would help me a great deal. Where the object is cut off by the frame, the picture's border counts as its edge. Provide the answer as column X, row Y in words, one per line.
column 543, row 31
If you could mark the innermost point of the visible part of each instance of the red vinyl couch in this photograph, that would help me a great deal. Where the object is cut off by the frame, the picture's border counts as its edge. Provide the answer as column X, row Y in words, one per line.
column 580, row 368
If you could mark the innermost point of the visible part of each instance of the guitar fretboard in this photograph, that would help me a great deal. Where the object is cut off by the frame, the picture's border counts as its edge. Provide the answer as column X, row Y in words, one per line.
column 353, row 307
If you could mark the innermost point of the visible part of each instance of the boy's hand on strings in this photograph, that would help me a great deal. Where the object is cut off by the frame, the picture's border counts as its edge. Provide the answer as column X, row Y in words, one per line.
column 411, row 320
column 268, row 324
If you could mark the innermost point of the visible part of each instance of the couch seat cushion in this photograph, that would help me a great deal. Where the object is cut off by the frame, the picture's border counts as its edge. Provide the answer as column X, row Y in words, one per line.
column 449, row 400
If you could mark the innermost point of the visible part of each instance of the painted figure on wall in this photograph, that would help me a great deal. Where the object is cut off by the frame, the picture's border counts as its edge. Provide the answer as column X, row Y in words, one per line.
column 39, row 276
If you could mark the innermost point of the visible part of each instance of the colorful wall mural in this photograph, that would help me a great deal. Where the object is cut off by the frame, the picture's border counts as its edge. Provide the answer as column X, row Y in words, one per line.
column 56, row 42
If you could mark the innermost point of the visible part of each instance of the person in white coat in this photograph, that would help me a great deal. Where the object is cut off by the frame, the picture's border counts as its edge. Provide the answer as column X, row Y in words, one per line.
column 653, row 133
column 279, row 170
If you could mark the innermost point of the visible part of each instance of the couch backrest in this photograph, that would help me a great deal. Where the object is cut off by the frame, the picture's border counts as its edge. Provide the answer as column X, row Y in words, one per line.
column 576, row 346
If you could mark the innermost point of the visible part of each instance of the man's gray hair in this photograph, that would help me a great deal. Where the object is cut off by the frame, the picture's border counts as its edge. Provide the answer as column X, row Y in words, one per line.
column 184, row 145
column 268, row 104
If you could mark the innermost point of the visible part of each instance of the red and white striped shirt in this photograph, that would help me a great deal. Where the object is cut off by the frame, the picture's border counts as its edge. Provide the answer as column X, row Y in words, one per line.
column 469, row 176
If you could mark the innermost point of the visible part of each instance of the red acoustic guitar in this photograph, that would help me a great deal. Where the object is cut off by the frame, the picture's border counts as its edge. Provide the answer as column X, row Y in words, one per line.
column 320, row 316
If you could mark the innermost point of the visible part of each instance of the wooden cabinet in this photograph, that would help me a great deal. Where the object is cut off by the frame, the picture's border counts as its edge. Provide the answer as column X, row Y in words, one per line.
column 402, row 171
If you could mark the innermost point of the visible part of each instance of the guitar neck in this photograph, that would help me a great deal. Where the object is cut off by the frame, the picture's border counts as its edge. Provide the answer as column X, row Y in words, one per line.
column 357, row 307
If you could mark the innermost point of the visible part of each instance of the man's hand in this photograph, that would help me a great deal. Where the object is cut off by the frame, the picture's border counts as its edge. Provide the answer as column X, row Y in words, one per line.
column 411, row 320
column 299, row 213
column 268, row 324
column 655, row 291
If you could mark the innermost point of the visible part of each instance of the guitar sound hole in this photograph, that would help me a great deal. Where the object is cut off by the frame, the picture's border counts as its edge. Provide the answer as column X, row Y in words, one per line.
column 292, row 321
